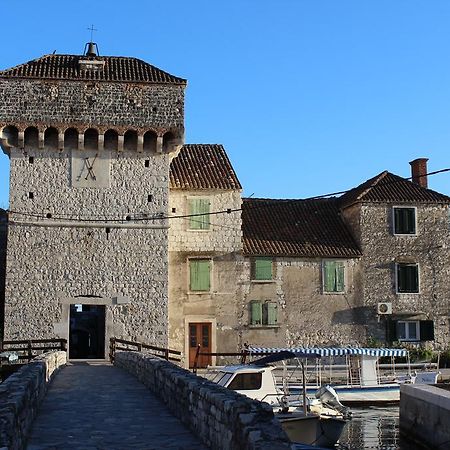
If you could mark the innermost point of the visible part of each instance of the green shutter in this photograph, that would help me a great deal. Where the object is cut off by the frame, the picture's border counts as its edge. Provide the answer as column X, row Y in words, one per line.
column 199, row 274
column 329, row 270
column 263, row 269
column 271, row 313
column 255, row 313
column 199, row 206
column 339, row 271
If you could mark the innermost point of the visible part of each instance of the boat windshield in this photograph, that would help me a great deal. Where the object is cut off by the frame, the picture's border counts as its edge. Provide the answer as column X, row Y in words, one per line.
column 222, row 378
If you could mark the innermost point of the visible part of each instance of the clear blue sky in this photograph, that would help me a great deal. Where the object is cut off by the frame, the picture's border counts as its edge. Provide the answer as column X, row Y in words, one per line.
column 307, row 96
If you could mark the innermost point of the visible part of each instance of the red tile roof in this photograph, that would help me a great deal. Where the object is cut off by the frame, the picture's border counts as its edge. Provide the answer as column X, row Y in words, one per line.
column 67, row 67
column 202, row 166
column 387, row 188
column 296, row 228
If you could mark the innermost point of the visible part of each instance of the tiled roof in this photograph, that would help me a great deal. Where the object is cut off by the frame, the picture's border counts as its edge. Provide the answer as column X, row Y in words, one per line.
column 202, row 166
column 387, row 187
column 115, row 68
column 302, row 228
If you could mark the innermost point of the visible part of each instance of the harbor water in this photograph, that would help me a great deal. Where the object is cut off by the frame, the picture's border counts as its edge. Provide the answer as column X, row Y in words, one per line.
column 374, row 428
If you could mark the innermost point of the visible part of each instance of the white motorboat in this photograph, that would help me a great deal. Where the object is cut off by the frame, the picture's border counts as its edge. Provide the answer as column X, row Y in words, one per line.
column 361, row 381
column 308, row 421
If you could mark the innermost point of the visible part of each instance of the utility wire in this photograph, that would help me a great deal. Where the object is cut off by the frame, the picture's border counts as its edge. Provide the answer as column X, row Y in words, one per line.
column 144, row 217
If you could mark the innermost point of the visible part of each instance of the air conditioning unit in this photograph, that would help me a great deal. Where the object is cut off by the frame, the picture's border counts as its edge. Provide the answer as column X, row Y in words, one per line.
column 384, row 308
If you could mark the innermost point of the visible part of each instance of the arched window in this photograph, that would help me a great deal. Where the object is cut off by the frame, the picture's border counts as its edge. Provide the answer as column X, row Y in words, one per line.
column 51, row 138
column 11, row 133
column 168, row 142
column 111, row 140
column 130, row 140
column 150, row 142
column 31, row 138
column 91, row 139
column 71, row 139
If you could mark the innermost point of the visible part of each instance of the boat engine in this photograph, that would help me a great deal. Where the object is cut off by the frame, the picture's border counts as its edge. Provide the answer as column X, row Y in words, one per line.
column 329, row 398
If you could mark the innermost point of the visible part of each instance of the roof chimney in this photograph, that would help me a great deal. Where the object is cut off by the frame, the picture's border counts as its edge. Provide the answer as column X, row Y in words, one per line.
column 419, row 172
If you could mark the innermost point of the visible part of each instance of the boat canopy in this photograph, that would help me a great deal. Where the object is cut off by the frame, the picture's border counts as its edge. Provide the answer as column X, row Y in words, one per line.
column 330, row 351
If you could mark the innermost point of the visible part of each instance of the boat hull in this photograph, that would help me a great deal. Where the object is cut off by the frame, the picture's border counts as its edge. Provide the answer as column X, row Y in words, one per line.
column 311, row 429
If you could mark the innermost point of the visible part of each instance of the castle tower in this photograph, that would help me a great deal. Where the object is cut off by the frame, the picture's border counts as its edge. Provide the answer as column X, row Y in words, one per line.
column 89, row 140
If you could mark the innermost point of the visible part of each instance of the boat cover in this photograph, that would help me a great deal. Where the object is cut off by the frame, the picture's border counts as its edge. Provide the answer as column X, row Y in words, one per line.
column 331, row 351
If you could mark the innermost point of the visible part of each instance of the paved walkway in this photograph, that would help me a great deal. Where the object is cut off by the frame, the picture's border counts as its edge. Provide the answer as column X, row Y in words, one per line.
column 92, row 406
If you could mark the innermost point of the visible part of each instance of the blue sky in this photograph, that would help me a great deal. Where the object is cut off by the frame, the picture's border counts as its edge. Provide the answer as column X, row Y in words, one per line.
column 307, row 96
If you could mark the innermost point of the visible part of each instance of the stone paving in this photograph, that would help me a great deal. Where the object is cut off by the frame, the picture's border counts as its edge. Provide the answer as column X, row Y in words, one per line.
column 93, row 406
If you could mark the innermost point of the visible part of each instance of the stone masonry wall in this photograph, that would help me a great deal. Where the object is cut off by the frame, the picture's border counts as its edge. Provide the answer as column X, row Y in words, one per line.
column 307, row 316
column 20, row 396
column 79, row 103
column 49, row 267
column 223, row 419
column 430, row 248
column 221, row 244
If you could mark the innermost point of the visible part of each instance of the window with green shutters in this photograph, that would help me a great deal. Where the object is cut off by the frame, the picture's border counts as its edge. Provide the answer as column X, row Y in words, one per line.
column 404, row 220
column 199, row 208
column 262, row 269
column 407, row 278
column 200, row 274
column 333, row 276
column 263, row 313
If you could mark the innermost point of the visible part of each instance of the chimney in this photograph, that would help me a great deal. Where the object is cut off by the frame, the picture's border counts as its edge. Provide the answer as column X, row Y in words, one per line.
column 419, row 172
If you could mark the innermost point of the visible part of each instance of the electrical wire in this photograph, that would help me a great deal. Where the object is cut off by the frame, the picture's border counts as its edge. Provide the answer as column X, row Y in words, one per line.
column 160, row 216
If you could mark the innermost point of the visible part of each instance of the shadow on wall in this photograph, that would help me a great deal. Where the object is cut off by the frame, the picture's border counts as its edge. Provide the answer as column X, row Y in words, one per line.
column 353, row 316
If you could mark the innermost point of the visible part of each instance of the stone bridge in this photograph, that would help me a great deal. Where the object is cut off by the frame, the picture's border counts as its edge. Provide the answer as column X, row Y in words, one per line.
column 141, row 402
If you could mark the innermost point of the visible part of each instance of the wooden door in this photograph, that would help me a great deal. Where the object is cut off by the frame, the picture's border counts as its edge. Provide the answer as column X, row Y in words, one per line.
column 200, row 334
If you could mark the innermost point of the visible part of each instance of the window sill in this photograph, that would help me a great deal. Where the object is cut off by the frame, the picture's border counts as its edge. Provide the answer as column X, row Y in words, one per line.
column 199, row 292
column 258, row 327
column 263, row 281
column 194, row 230
column 408, row 293
column 334, row 293
column 405, row 234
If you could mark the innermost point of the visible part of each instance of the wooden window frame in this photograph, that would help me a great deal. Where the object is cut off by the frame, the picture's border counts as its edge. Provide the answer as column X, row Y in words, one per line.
column 325, row 288
column 264, row 314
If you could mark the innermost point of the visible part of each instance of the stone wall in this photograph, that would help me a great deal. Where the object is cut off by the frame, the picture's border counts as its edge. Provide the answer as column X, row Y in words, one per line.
column 69, row 258
column 430, row 248
column 221, row 244
column 3, row 239
column 221, row 418
column 20, row 396
column 425, row 415
column 78, row 103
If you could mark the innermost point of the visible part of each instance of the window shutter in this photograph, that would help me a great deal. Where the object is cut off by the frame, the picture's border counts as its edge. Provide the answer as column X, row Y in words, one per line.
column 391, row 330
column 339, row 270
column 199, row 275
column 272, row 311
column 329, row 275
column 397, row 221
column 426, row 330
column 255, row 313
column 263, row 269
column 199, row 206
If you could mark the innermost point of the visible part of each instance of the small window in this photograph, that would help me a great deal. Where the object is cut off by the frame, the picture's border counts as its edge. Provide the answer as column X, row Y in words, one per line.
column 413, row 330
column 199, row 209
column 262, row 269
column 404, row 220
column 333, row 276
column 199, row 274
column 246, row 382
column 407, row 278
column 263, row 313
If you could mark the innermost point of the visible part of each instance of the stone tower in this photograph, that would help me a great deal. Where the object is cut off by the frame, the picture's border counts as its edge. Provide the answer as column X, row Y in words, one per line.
column 89, row 139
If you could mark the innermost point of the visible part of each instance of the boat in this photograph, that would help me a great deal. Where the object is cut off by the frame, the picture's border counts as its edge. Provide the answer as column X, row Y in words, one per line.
column 360, row 381
column 306, row 421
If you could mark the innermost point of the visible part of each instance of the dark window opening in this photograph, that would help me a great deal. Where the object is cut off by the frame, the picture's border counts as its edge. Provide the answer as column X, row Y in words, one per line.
column 150, row 198
column 91, row 139
column 246, row 382
column 410, row 330
column 111, row 140
column 31, row 159
column 404, row 220
column 51, row 138
column 30, row 195
column 407, row 278
column 31, row 138
column 150, row 140
column 130, row 140
column 71, row 139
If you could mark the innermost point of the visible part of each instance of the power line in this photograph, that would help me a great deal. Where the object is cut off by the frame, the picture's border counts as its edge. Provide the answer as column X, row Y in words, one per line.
column 160, row 216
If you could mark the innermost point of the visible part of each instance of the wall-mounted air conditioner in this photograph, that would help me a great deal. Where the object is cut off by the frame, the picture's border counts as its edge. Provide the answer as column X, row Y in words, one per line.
column 384, row 308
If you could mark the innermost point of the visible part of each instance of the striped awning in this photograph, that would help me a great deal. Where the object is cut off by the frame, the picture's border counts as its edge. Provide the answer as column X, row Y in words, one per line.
column 331, row 351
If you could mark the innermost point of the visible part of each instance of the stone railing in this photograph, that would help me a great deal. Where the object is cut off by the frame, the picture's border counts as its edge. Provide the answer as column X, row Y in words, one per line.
column 221, row 418
column 20, row 396
column 425, row 414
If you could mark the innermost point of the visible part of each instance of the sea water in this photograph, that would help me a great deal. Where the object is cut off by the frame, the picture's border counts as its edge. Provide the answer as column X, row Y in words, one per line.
column 374, row 428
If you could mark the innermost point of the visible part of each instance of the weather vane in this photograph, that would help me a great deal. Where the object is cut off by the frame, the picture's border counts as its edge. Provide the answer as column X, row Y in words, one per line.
column 92, row 29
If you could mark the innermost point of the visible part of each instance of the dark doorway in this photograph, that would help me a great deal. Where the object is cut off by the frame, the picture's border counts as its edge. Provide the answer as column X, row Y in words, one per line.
column 87, row 332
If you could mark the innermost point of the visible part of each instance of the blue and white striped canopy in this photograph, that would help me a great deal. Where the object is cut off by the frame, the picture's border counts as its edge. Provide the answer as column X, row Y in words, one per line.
column 331, row 351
